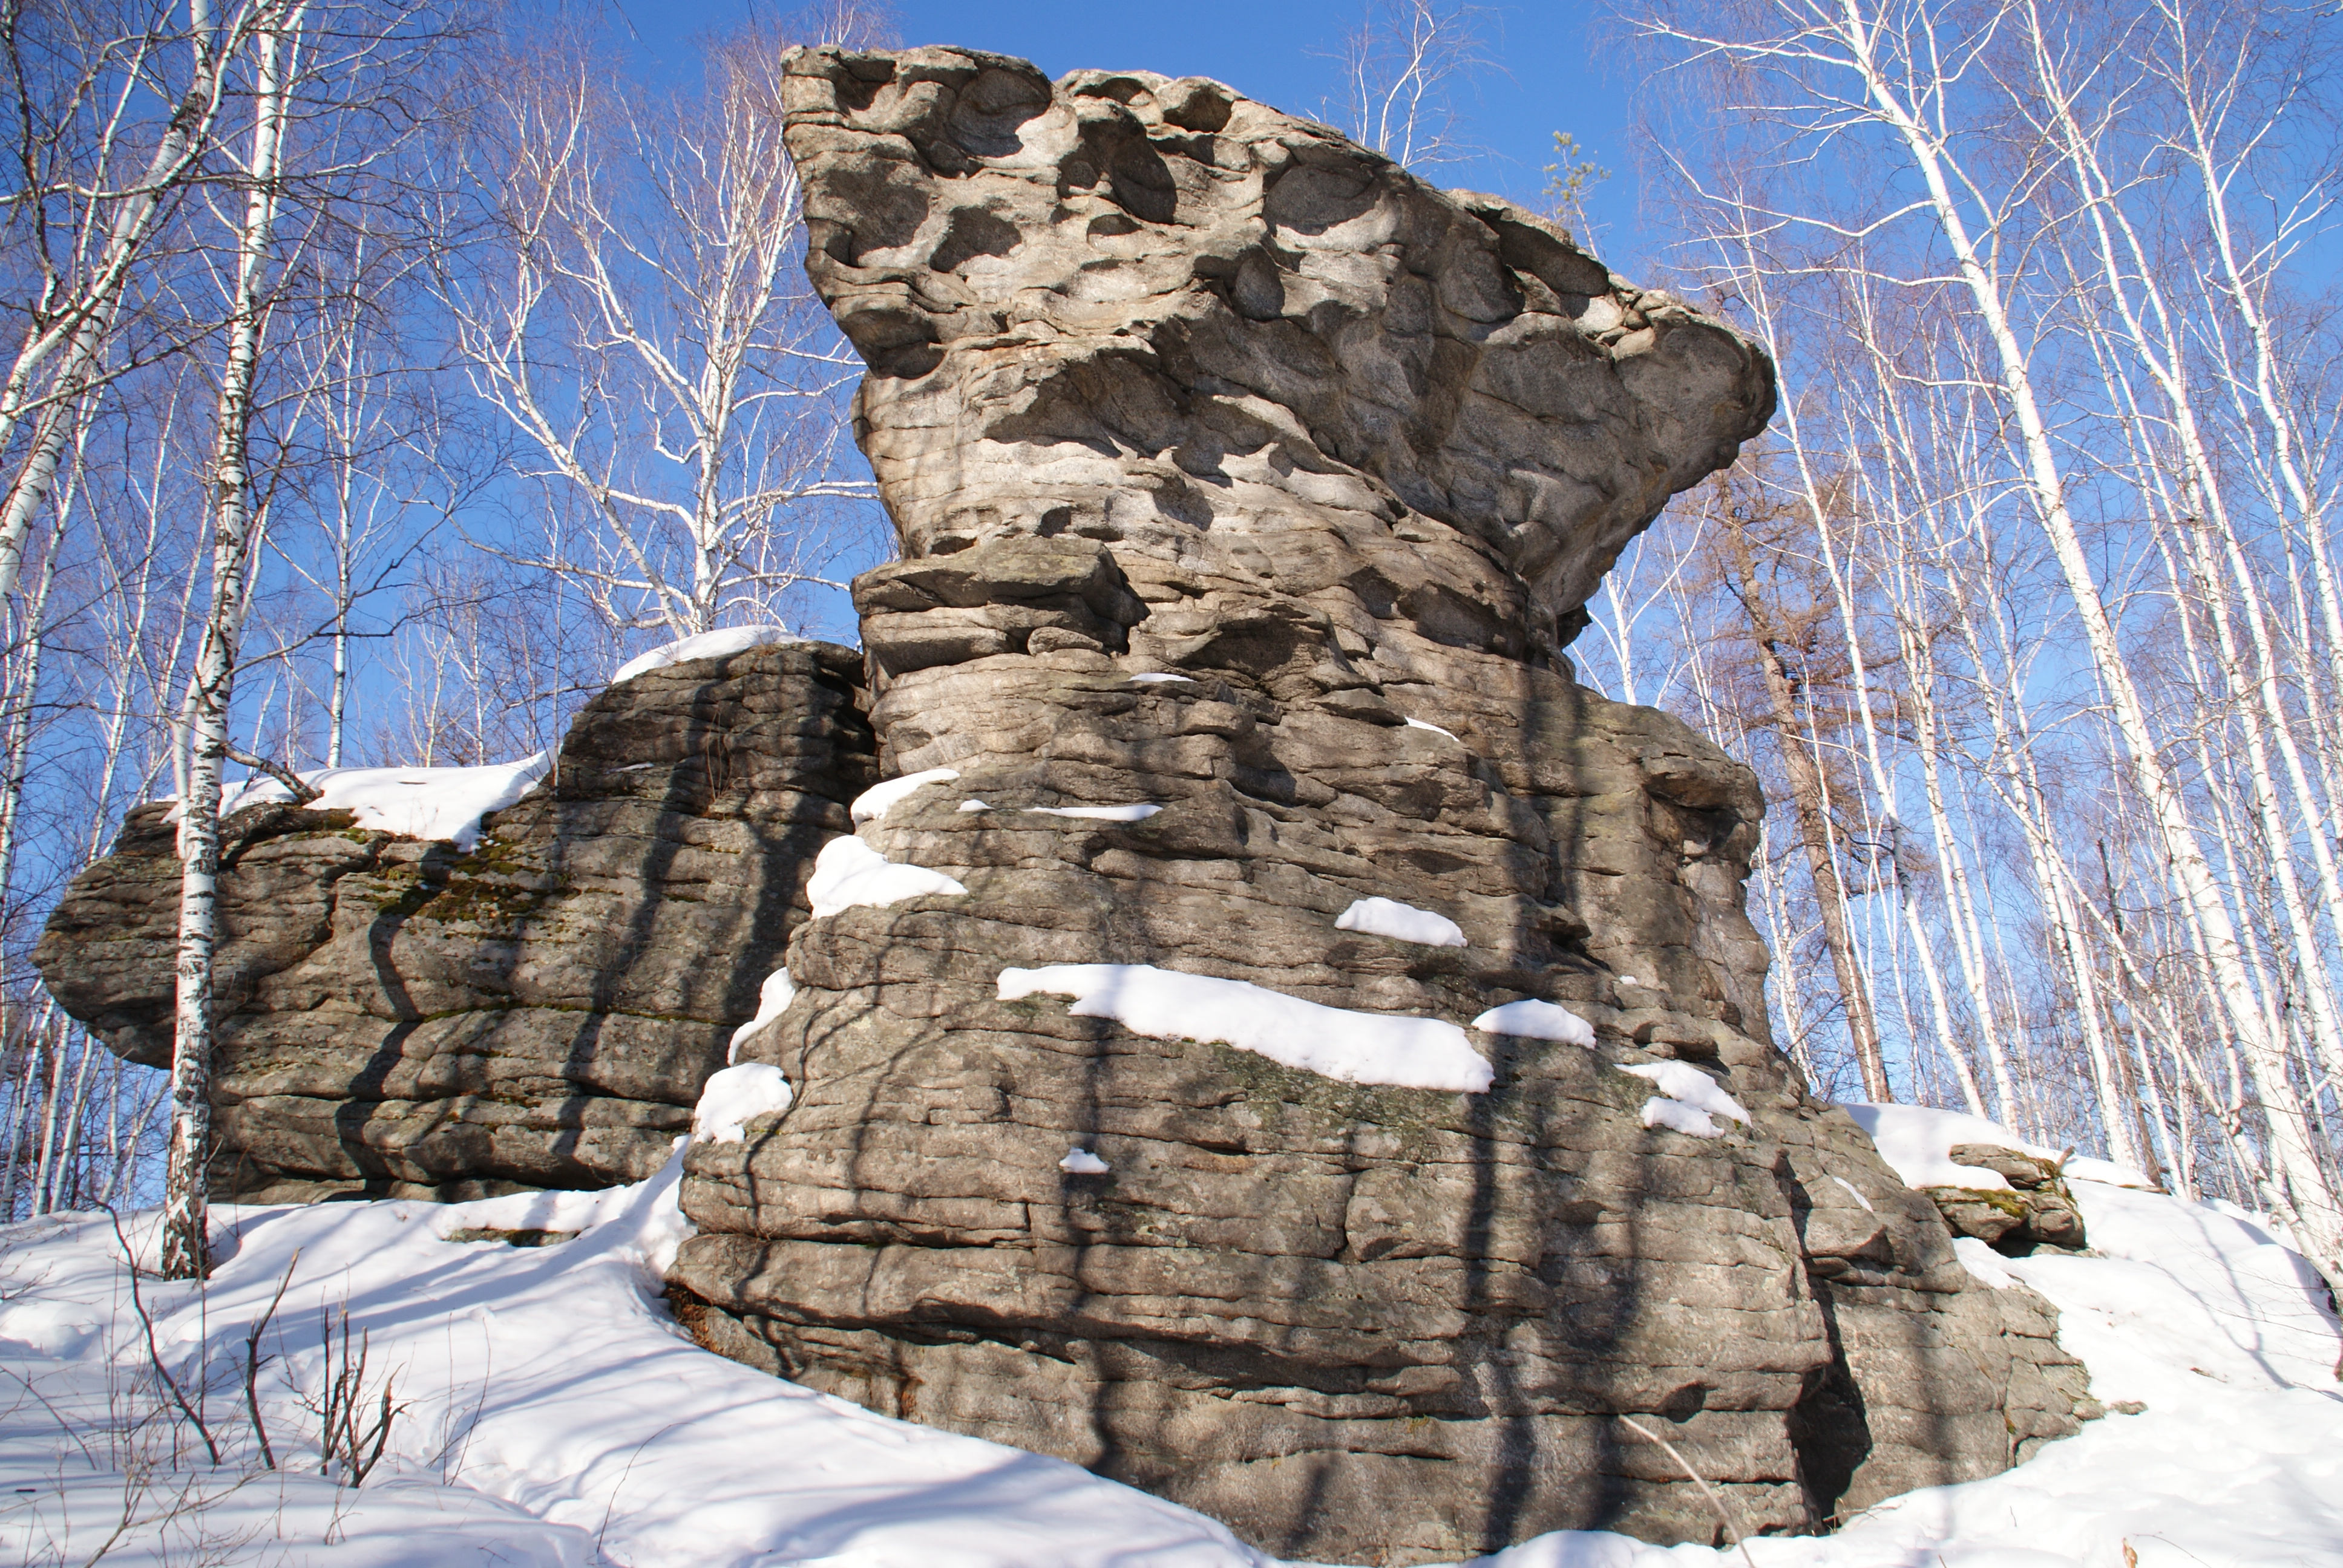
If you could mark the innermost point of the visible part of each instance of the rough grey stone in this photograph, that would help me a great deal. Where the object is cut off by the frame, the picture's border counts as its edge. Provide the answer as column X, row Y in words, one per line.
column 1162, row 381
column 2037, row 1210
column 396, row 1018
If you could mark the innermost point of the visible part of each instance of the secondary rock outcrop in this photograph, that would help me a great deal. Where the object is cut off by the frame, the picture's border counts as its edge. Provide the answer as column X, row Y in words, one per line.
column 399, row 1019
column 2037, row 1209
column 1247, row 487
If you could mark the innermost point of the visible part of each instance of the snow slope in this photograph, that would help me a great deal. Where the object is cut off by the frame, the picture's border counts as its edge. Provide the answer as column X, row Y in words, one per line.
column 559, row 1417
column 557, row 1411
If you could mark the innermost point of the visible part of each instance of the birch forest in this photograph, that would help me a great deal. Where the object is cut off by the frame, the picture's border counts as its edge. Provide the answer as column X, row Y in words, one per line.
column 382, row 374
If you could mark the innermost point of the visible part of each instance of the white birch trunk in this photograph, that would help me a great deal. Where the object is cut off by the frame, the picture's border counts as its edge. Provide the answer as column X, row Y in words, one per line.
column 185, row 1241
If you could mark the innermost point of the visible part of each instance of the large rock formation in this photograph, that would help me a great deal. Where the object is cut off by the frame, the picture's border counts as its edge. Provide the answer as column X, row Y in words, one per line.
column 399, row 1019
column 1247, row 488
column 1164, row 383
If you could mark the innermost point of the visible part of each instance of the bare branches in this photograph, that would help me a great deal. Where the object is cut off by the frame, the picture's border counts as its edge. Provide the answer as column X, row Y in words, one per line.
column 254, row 1359
column 189, row 1408
column 353, row 1413
column 644, row 328
column 2047, row 453
column 1401, row 67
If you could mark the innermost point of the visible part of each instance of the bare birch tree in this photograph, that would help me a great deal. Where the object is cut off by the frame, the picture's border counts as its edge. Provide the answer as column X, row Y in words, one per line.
column 2027, row 343
column 646, row 329
column 1402, row 68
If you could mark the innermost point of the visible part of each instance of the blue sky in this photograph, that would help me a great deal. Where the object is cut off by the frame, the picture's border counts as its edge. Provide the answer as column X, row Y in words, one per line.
column 1282, row 53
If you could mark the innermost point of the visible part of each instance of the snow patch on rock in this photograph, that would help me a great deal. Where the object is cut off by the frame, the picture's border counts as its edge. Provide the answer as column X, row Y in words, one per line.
column 1856, row 1192
column 873, row 803
column 1082, row 1163
column 1537, row 1021
column 719, row 644
column 1401, row 922
column 1689, row 1100
column 1337, row 1042
column 1983, row 1263
column 428, row 803
column 1138, row 811
column 1916, row 1141
column 848, row 872
column 773, row 999
column 733, row 1097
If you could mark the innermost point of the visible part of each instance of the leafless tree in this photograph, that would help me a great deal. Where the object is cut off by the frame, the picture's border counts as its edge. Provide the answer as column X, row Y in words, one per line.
column 326, row 81
column 645, row 326
column 2066, row 500
column 1403, row 67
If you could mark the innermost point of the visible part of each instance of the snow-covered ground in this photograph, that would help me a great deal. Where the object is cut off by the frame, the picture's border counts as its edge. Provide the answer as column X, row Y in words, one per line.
column 554, row 1414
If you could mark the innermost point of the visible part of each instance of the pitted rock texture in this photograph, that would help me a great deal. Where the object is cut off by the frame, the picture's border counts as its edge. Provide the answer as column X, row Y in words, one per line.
column 398, row 1019
column 1162, row 382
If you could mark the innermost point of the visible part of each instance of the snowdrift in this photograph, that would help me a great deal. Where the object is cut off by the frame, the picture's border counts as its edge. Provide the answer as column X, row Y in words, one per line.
column 555, row 1413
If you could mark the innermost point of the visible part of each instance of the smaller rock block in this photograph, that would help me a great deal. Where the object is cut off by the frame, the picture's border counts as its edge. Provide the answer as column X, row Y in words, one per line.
column 2038, row 1211
column 398, row 1019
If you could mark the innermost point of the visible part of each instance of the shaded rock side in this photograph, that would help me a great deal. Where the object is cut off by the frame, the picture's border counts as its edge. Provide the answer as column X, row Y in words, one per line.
column 1163, row 383
column 396, row 1018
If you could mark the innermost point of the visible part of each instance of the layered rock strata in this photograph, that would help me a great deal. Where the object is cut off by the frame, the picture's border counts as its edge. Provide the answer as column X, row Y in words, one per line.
column 399, row 1019
column 1247, row 488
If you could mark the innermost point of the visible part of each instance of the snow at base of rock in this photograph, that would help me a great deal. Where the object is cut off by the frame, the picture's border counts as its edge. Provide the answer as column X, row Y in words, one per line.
column 773, row 999
column 1419, row 724
column 848, row 872
column 1688, row 1099
column 1160, row 676
column 874, row 802
column 719, row 644
column 1082, row 1163
column 1355, row 1047
column 1983, row 1263
column 2083, row 1168
column 1537, row 1021
column 975, row 806
column 413, row 802
column 1916, row 1141
column 557, row 1417
column 1401, row 922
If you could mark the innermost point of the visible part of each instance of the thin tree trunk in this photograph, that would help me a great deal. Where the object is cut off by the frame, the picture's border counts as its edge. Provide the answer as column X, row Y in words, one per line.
column 1806, row 801
column 186, row 1251
column 2308, row 1201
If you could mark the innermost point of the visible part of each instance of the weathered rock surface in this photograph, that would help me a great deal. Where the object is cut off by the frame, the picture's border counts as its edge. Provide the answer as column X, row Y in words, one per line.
column 397, row 1018
column 2036, row 1210
column 1163, row 382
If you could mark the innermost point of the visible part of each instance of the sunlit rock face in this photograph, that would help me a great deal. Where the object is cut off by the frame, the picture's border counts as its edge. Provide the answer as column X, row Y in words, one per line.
column 1163, row 383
